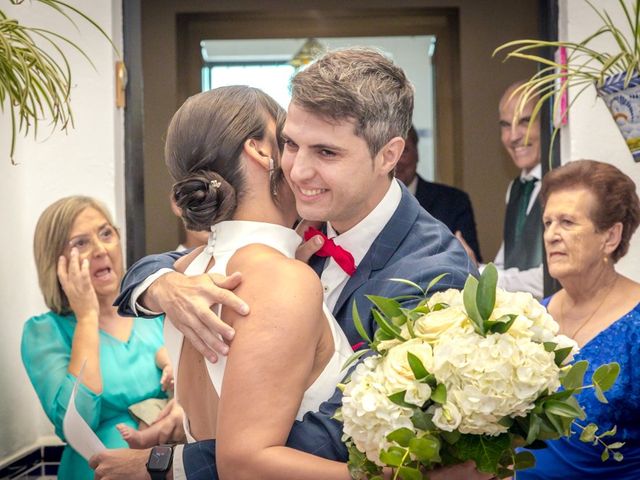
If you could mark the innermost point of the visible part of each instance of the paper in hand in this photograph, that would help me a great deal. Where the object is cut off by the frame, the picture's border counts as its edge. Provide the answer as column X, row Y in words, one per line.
column 76, row 431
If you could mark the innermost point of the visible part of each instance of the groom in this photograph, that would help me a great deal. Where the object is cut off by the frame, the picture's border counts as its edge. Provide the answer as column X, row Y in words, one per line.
column 349, row 114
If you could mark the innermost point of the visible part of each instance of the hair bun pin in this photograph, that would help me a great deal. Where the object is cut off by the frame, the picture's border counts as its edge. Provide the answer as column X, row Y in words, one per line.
column 215, row 183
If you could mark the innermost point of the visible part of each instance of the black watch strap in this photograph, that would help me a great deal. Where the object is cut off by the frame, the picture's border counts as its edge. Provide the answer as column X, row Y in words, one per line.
column 160, row 462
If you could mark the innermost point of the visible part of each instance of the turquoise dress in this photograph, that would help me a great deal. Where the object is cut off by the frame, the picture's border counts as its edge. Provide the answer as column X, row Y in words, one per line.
column 569, row 458
column 129, row 375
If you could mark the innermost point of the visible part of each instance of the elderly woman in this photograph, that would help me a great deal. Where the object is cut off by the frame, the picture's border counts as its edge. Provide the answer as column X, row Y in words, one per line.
column 79, row 261
column 591, row 210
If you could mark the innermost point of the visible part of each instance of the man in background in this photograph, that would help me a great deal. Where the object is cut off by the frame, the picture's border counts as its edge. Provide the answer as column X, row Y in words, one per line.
column 519, row 260
column 448, row 204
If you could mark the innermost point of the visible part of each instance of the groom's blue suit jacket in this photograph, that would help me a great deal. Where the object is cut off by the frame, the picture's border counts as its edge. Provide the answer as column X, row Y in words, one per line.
column 413, row 245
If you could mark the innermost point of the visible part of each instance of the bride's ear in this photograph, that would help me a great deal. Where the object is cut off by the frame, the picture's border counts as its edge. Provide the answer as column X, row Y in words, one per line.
column 253, row 150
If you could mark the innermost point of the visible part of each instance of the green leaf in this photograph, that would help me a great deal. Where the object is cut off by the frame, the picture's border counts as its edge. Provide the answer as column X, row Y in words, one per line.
column 605, row 375
column 486, row 292
column 394, row 456
column 562, row 409
column 524, row 459
column 505, row 472
column 615, row 445
column 605, row 455
column 398, row 399
column 401, row 436
column 358, row 323
column 484, row 450
column 409, row 473
column 417, row 367
column 439, row 394
column 354, row 357
column 618, row 457
column 450, row 437
column 385, row 326
column 561, row 354
column 434, row 281
column 533, row 428
column 502, row 324
column 609, row 433
column 469, row 298
column 389, row 307
column 426, row 449
column 589, row 433
column 575, row 377
column 549, row 346
column 560, row 427
column 359, row 465
column 599, row 394
column 410, row 283
column 422, row 420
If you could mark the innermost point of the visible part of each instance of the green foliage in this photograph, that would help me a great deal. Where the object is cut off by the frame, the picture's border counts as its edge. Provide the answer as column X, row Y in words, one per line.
column 603, row 379
column 34, row 84
column 486, row 451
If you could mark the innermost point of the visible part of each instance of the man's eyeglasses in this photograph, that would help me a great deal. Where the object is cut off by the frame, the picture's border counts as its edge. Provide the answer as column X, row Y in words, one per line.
column 84, row 243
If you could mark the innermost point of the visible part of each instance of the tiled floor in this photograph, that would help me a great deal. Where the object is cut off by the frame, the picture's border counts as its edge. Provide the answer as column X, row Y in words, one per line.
column 40, row 464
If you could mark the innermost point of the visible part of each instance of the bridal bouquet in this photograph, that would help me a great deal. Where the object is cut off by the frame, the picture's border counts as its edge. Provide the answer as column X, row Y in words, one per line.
column 466, row 375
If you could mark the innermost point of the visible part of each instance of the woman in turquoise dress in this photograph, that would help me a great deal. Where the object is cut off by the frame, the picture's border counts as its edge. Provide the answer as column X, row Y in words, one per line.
column 79, row 262
column 591, row 210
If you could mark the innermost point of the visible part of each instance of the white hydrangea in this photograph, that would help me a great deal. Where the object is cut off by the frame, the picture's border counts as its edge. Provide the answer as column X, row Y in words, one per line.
column 368, row 414
column 488, row 378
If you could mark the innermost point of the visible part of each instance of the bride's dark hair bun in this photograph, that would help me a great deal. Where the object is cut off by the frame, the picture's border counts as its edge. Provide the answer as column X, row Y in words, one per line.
column 204, row 198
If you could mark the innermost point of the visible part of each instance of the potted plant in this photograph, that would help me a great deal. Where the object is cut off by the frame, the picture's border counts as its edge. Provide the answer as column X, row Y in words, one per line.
column 614, row 74
column 34, row 83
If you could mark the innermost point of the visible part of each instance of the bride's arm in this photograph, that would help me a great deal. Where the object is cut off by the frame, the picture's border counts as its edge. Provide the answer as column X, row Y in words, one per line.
column 267, row 372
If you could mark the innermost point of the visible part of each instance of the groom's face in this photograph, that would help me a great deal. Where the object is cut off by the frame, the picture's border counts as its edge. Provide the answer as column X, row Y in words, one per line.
column 330, row 169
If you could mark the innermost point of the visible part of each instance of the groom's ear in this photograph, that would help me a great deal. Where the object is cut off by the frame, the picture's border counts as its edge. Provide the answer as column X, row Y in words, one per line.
column 253, row 150
column 390, row 153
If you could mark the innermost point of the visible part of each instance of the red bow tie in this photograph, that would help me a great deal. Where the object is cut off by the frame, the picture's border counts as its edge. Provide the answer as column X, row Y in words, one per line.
column 329, row 249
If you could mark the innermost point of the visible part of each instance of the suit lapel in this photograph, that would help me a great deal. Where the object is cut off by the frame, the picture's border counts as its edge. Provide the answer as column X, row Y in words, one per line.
column 383, row 247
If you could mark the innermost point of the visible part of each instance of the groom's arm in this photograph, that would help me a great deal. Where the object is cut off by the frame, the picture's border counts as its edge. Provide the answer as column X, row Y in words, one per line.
column 318, row 433
column 136, row 275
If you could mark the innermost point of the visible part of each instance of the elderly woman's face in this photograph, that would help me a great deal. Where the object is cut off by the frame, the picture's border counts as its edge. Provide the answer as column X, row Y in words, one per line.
column 572, row 244
column 97, row 240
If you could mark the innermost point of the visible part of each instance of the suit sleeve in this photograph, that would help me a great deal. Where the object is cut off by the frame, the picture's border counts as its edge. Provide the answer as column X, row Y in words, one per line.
column 135, row 275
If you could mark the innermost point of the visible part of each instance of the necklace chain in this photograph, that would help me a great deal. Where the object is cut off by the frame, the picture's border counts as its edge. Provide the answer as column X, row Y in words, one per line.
column 584, row 323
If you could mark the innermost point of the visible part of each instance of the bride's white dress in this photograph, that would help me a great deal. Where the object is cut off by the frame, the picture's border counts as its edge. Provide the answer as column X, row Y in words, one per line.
column 225, row 239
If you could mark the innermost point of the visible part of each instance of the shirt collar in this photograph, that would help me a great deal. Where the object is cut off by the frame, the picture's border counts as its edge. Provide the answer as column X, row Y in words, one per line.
column 358, row 239
column 536, row 172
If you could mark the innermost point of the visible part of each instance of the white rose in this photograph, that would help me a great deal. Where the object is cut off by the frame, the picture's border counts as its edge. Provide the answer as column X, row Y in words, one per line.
column 430, row 326
column 446, row 417
column 564, row 342
column 451, row 297
column 398, row 374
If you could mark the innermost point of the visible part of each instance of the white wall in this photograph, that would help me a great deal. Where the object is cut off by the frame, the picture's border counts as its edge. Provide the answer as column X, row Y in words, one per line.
column 86, row 160
column 591, row 132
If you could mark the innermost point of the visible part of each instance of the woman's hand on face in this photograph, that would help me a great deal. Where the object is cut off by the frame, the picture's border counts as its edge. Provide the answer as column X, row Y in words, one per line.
column 75, row 279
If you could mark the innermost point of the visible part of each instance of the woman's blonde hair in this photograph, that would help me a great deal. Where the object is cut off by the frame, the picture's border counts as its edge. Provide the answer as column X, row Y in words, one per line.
column 49, row 241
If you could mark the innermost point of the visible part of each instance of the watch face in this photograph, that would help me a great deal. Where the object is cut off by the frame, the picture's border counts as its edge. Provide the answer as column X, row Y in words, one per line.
column 160, row 458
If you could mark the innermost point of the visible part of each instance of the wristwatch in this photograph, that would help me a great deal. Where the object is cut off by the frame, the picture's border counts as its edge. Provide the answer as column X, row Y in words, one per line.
column 159, row 461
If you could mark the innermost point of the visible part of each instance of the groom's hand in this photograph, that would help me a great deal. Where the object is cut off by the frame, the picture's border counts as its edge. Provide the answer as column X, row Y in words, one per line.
column 188, row 302
column 122, row 464
column 307, row 249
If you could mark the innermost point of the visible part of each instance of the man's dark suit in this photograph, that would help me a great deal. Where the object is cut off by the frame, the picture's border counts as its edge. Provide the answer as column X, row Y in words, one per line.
column 452, row 207
column 413, row 246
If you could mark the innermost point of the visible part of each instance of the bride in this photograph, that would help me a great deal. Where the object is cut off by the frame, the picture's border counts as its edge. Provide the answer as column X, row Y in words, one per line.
column 286, row 357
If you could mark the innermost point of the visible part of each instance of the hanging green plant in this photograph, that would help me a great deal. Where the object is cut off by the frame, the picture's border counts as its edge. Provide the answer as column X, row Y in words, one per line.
column 614, row 74
column 35, row 85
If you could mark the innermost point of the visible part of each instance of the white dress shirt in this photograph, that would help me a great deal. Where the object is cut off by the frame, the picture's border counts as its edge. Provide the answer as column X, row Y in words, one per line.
column 357, row 240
